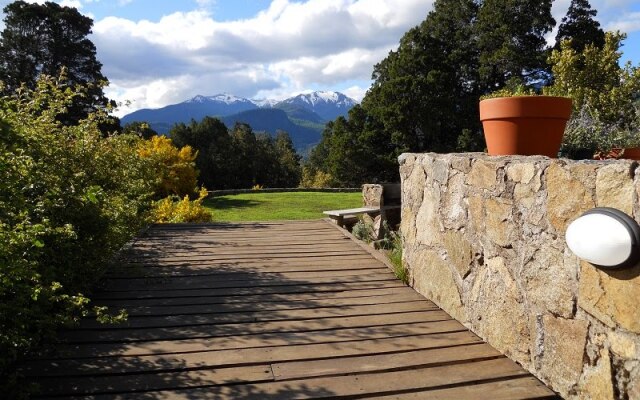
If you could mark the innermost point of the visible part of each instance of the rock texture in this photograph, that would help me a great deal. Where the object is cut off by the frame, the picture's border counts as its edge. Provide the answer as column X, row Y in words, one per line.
column 484, row 239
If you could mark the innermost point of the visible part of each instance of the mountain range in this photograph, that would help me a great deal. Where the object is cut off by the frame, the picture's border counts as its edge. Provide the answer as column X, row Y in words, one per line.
column 303, row 117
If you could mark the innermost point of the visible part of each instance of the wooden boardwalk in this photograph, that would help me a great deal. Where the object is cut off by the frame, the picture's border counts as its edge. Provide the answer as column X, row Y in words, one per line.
column 292, row 310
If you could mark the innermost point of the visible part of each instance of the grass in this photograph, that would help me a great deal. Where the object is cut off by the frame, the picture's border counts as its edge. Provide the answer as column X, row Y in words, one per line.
column 278, row 206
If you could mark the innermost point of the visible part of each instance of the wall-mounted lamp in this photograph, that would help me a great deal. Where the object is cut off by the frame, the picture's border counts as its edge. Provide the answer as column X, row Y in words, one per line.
column 605, row 237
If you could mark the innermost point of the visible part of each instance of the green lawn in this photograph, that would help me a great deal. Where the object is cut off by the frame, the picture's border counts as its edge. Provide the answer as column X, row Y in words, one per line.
column 278, row 206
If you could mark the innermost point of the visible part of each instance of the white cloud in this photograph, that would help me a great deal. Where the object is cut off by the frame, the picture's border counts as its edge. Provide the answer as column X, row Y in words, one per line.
column 627, row 23
column 286, row 48
column 355, row 92
column 71, row 3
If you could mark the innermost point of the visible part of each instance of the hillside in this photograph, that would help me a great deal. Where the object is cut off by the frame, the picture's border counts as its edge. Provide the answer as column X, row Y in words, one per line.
column 271, row 120
column 302, row 116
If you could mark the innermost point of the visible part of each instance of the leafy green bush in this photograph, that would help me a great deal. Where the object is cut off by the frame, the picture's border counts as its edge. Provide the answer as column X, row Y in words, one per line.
column 69, row 199
column 605, row 96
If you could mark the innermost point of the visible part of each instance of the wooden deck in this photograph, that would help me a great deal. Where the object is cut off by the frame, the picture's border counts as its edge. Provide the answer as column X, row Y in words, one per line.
column 292, row 310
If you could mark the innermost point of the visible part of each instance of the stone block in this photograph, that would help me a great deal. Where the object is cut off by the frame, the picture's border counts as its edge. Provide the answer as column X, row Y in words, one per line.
column 550, row 283
column 459, row 252
column 372, row 195
column 497, row 310
column 564, row 341
column 521, row 172
column 499, row 226
column 568, row 197
column 432, row 277
column 483, row 174
column 428, row 221
column 624, row 345
column 476, row 213
column 596, row 384
column 612, row 296
column 614, row 187
column 455, row 213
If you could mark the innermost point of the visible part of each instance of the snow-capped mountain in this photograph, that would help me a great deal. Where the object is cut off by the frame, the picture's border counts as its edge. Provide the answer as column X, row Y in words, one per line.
column 225, row 98
column 329, row 105
column 195, row 108
column 303, row 116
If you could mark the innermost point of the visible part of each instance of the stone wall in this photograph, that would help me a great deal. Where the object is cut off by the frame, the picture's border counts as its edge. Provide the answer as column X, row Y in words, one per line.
column 484, row 239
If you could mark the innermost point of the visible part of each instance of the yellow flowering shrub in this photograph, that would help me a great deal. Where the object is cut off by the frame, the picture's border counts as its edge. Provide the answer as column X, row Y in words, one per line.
column 172, row 209
column 175, row 167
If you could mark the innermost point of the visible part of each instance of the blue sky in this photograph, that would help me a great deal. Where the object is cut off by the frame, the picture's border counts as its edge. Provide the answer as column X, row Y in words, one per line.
column 159, row 52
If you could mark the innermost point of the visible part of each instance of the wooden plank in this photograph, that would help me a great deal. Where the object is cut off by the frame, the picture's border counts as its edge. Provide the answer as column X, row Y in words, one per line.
column 251, row 307
column 227, row 250
column 73, row 386
column 206, row 243
column 521, row 388
column 263, row 339
column 241, row 259
column 355, row 385
column 344, row 260
column 351, row 211
column 291, row 297
column 249, row 356
column 172, row 281
column 193, row 271
column 382, row 362
column 237, row 329
column 383, row 282
column 240, row 281
column 191, row 320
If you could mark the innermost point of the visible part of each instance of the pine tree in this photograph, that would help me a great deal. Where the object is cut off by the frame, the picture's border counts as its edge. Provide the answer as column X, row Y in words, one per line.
column 45, row 38
column 511, row 41
column 580, row 27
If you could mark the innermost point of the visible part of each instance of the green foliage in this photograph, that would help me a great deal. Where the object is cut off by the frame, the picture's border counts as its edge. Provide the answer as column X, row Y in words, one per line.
column 363, row 231
column 44, row 39
column 312, row 178
column 511, row 40
column 69, row 199
column 580, row 27
column 140, row 129
column 173, row 209
column 239, row 158
column 514, row 87
column 425, row 94
column 174, row 167
column 395, row 256
column 604, row 95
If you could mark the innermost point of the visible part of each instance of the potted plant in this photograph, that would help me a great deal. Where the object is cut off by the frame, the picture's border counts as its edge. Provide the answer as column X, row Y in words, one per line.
column 587, row 136
column 517, row 121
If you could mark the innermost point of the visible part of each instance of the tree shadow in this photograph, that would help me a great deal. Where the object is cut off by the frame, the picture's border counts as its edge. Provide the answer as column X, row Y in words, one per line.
column 225, row 203
column 212, row 327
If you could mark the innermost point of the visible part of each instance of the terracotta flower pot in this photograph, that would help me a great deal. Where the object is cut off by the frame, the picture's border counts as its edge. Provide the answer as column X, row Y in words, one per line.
column 525, row 125
column 631, row 153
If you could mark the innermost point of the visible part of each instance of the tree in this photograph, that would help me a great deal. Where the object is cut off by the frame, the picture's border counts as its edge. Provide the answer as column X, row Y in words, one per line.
column 211, row 139
column 140, row 129
column 44, row 40
column 175, row 167
column 288, row 160
column 511, row 41
column 424, row 93
column 580, row 27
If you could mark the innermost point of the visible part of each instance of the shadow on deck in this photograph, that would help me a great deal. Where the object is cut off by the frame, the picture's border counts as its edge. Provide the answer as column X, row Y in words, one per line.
column 270, row 311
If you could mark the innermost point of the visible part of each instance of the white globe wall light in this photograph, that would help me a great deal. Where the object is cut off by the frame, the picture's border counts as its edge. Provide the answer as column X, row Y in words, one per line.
column 605, row 237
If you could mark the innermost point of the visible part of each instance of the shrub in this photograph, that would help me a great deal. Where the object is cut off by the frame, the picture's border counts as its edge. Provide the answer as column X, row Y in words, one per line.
column 175, row 167
column 173, row 209
column 316, row 179
column 69, row 199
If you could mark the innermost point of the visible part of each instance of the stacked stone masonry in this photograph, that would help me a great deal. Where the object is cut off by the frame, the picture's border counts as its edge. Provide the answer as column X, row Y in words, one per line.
column 484, row 239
